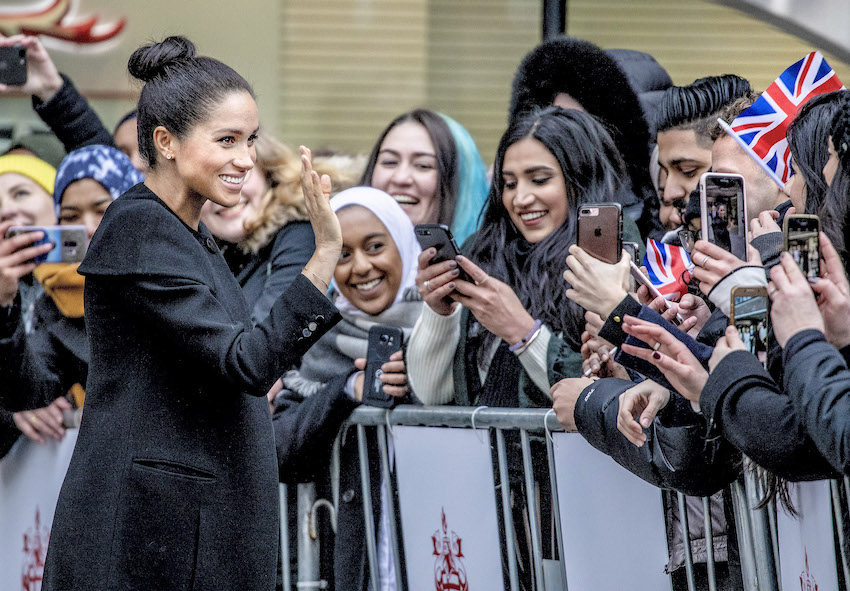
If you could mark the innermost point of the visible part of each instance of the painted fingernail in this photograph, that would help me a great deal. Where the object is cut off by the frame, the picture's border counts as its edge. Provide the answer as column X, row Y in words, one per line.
column 455, row 273
column 656, row 355
column 432, row 251
column 452, row 264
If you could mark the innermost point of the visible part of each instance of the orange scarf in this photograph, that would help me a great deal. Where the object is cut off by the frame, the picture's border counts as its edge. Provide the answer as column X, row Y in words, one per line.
column 64, row 286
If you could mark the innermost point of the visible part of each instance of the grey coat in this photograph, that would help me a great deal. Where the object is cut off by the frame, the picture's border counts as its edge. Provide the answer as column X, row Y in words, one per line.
column 173, row 482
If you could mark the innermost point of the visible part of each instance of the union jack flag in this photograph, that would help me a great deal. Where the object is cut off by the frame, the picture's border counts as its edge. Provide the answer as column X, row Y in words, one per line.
column 761, row 128
column 668, row 268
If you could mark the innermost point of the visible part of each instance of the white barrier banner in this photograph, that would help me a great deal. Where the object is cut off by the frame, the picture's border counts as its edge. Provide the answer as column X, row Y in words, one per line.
column 612, row 521
column 448, row 509
column 806, row 547
column 30, row 478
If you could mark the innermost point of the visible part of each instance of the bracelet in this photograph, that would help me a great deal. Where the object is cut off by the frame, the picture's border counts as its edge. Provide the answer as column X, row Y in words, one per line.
column 527, row 338
column 322, row 281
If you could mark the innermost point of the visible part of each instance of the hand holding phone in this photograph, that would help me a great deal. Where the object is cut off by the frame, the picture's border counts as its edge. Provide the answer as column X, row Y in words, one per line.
column 383, row 342
column 801, row 235
column 439, row 236
column 69, row 243
column 749, row 315
column 600, row 231
column 641, row 279
column 13, row 65
column 723, row 212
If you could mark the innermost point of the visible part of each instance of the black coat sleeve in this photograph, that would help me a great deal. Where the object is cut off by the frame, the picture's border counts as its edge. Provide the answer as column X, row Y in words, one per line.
column 818, row 383
column 746, row 407
column 70, row 117
column 673, row 457
column 305, row 429
column 192, row 321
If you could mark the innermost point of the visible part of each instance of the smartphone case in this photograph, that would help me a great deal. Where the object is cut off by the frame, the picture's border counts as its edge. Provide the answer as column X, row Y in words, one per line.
column 440, row 237
column 13, row 65
column 383, row 342
column 70, row 242
column 600, row 230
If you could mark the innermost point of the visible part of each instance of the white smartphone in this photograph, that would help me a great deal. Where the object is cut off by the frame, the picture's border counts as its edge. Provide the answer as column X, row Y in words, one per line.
column 642, row 279
column 723, row 212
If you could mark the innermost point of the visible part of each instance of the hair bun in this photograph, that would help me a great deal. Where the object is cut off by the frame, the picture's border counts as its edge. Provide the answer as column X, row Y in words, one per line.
column 151, row 60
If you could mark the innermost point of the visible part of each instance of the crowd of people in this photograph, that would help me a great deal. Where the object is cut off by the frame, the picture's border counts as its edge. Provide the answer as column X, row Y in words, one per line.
column 216, row 333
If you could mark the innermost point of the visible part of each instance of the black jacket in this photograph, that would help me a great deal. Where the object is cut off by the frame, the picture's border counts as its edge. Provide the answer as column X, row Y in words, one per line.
column 818, row 383
column 70, row 117
column 39, row 367
column 173, row 483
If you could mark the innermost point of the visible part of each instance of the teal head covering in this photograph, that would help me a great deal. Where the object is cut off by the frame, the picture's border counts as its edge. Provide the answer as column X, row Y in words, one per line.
column 472, row 186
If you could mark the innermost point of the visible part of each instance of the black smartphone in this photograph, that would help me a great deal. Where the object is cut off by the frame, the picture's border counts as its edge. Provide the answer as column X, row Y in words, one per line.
column 440, row 237
column 69, row 242
column 723, row 212
column 802, row 241
column 749, row 314
column 383, row 342
column 600, row 230
column 13, row 65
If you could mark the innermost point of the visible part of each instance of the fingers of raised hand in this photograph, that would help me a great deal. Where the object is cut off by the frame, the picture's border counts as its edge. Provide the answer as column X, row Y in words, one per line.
column 24, row 422
column 626, row 423
column 477, row 273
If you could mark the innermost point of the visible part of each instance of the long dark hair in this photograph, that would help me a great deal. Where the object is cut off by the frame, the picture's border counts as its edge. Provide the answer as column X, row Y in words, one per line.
column 180, row 89
column 593, row 171
column 835, row 212
column 807, row 137
column 444, row 145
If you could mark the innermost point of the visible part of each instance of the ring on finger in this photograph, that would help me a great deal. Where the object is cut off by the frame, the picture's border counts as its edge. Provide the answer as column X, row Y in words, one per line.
column 483, row 281
column 33, row 419
column 705, row 259
column 771, row 289
column 426, row 285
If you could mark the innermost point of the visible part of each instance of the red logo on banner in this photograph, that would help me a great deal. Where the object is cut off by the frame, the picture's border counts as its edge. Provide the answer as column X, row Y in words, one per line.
column 449, row 572
column 50, row 21
column 35, row 549
column 807, row 581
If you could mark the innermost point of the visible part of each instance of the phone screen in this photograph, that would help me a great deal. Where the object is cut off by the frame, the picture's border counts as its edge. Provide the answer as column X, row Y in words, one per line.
column 803, row 245
column 751, row 322
column 726, row 222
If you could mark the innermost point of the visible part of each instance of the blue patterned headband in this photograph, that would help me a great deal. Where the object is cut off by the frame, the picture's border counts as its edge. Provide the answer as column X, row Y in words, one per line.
column 108, row 166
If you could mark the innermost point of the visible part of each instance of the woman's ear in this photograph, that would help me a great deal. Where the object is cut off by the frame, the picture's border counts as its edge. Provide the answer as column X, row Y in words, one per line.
column 164, row 142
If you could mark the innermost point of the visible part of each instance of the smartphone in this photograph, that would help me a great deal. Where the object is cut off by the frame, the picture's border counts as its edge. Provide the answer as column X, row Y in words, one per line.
column 383, row 342
column 600, row 230
column 440, row 237
column 69, row 242
column 749, row 314
column 723, row 212
column 13, row 65
column 802, row 242
column 641, row 279
column 633, row 248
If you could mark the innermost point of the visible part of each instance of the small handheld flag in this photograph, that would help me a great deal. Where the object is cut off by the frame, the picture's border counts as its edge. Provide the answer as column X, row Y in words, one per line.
column 760, row 129
column 668, row 267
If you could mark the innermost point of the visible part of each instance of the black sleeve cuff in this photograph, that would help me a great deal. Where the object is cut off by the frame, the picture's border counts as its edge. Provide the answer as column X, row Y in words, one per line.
column 799, row 341
column 612, row 330
column 726, row 375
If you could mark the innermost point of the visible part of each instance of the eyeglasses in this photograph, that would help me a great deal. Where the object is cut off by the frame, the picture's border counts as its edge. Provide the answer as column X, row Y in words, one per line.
column 687, row 238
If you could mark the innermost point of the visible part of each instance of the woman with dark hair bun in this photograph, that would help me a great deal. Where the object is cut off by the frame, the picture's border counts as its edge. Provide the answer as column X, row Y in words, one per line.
column 173, row 481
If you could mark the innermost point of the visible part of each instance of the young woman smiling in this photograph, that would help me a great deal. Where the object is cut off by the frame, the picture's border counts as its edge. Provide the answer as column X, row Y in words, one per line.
column 174, row 473
column 429, row 163
column 515, row 329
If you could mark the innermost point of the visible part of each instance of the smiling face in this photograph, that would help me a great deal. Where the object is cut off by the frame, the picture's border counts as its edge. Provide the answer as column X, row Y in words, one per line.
column 214, row 158
column 84, row 202
column 407, row 169
column 228, row 223
column 533, row 189
column 24, row 202
column 369, row 270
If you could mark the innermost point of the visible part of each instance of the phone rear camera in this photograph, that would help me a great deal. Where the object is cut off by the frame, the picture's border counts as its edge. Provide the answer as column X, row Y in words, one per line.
column 384, row 339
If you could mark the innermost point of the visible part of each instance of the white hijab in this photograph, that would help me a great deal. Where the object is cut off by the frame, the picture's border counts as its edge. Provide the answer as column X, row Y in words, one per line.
column 397, row 224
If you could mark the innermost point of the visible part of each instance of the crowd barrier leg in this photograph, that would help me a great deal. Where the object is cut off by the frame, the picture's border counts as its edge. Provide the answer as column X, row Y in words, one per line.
column 686, row 541
column 766, row 567
column 383, row 450
column 556, row 508
column 506, row 509
column 774, row 539
column 368, row 515
column 308, row 547
column 835, row 493
column 531, row 502
column 743, row 527
column 285, row 561
column 709, row 545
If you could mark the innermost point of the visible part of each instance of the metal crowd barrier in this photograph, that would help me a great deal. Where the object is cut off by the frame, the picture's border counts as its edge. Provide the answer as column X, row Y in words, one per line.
column 755, row 527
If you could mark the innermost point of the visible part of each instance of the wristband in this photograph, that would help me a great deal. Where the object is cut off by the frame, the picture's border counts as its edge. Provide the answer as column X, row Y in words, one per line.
column 527, row 338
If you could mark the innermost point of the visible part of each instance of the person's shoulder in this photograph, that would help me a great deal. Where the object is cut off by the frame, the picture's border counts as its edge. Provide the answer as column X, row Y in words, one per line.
column 139, row 235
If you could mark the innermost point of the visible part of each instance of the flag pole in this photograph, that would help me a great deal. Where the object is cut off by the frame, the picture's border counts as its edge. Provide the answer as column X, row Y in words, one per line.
column 728, row 129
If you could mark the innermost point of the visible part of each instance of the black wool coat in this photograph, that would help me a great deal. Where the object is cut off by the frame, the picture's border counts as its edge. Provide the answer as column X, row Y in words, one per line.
column 173, row 482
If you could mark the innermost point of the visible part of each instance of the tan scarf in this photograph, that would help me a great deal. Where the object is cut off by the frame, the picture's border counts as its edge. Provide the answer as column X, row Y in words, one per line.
column 64, row 286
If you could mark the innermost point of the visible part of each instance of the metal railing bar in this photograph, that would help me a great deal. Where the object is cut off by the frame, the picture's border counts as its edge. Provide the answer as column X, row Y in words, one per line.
column 507, row 516
column 531, row 419
column 368, row 515
column 774, row 539
column 709, row 544
column 839, row 526
column 744, row 531
column 762, row 547
column 383, row 450
column 284, row 537
column 686, row 541
column 531, row 503
column 556, row 509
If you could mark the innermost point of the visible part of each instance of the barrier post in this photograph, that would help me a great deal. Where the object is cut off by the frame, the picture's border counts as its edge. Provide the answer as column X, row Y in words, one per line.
column 709, row 544
column 368, row 515
column 556, row 506
column 686, row 541
column 839, row 526
column 383, row 450
column 507, row 516
column 531, row 503
column 285, row 564
column 308, row 548
column 761, row 538
column 743, row 528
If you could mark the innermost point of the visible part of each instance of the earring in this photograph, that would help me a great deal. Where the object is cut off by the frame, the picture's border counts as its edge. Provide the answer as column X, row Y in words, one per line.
column 169, row 156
